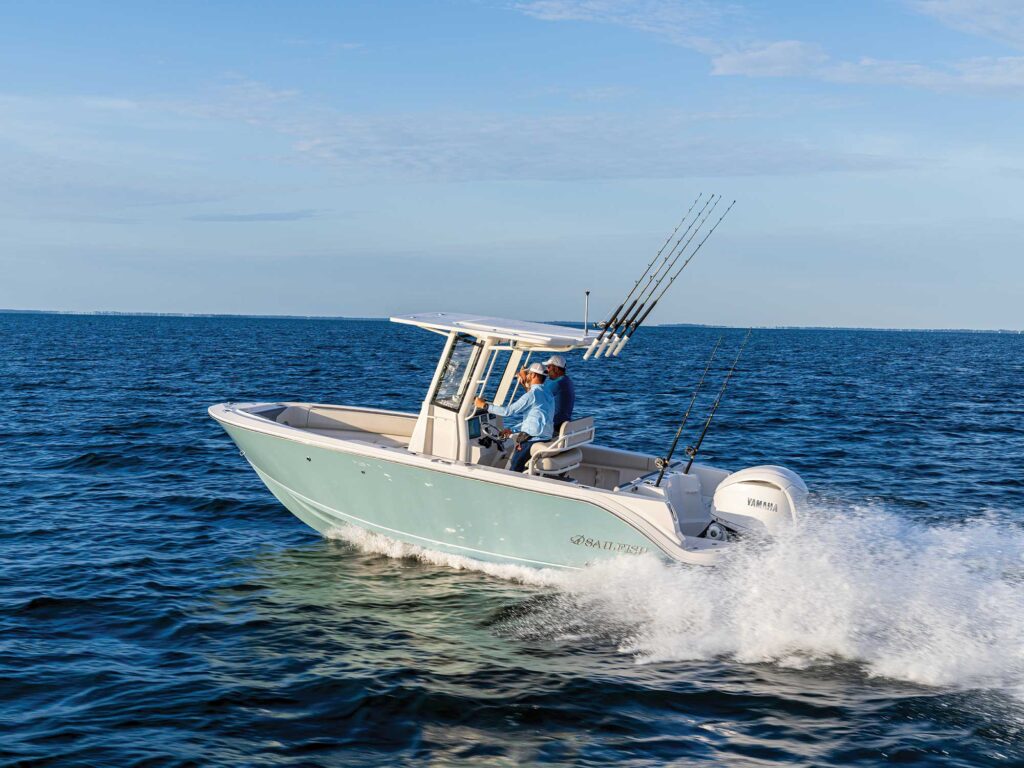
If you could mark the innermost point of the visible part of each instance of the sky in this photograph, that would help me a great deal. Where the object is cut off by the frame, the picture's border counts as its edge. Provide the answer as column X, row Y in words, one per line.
column 502, row 157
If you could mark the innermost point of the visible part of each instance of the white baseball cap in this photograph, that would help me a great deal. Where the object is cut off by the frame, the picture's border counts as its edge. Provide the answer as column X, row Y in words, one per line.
column 537, row 368
column 556, row 360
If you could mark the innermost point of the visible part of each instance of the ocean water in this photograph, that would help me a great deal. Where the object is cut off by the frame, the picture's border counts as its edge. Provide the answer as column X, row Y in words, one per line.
column 159, row 607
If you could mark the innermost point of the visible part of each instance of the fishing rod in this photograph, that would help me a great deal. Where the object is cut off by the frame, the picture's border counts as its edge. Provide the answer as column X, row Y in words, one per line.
column 676, row 251
column 637, row 322
column 664, row 463
column 692, row 452
column 630, row 324
column 614, row 319
column 655, row 279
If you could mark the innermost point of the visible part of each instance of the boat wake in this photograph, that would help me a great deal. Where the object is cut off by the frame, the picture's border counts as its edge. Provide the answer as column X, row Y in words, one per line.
column 934, row 605
column 376, row 544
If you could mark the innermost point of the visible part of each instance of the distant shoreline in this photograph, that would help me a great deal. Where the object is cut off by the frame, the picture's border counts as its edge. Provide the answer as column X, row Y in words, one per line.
column 558, row 322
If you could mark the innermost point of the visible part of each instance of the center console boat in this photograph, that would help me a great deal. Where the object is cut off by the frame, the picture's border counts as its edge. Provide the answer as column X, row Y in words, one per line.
column 438, row 478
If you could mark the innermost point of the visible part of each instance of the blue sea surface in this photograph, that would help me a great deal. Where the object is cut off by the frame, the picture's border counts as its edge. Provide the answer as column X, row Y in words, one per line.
column 159, row 607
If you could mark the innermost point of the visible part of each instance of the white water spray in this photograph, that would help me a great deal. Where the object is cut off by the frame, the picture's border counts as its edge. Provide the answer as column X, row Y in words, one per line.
column 376, row 544
column 939, row 606
column 936, row 605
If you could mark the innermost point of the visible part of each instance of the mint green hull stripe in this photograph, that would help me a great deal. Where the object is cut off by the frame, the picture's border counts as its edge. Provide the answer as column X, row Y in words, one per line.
column 323, row 518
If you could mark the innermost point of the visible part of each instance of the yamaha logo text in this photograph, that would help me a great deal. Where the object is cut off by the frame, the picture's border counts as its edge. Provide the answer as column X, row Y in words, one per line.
column 771, row 506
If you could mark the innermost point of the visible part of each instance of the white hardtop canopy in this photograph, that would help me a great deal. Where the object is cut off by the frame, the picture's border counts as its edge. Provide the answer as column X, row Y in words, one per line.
column 526, row 334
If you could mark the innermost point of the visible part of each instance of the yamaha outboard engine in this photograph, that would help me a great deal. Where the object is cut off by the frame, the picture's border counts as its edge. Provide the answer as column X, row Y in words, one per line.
column 755, row 500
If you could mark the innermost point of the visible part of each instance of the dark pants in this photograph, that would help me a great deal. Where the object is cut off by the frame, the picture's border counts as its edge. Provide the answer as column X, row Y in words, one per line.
column 521, row 456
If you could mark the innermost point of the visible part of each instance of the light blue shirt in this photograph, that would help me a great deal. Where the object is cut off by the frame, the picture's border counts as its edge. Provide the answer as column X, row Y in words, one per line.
column 538, row 410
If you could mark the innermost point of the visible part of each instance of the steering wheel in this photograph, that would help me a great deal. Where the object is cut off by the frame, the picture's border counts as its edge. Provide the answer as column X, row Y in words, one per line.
column 491, row 431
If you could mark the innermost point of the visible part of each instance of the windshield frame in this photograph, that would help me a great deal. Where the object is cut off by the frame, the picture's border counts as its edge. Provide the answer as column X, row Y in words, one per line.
column 450, row 392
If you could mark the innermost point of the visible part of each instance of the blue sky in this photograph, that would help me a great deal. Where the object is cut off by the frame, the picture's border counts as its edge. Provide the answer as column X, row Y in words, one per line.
column 502, row 157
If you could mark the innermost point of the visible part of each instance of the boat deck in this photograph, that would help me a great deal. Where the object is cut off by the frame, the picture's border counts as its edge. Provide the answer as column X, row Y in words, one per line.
column 602, row 467
column 374, row 438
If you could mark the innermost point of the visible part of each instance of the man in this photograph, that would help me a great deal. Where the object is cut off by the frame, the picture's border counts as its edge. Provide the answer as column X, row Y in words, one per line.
column 561, row 388
column 537, row 409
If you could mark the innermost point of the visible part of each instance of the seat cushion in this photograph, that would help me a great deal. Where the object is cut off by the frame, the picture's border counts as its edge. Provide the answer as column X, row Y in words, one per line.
column 558, row 462
column 539, row 446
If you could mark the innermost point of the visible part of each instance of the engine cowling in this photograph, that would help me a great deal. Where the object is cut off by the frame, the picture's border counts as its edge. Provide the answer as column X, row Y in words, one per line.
column 758, row 499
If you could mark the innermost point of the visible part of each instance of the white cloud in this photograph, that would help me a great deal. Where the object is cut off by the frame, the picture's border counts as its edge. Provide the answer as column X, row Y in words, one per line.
column 661, row 16
column 997, row 19
column 785, row 58
column 237, row 98
column 793, row 58
column 477, row 146
column 684, row 22
column 700, row 26
column 491, row 147
column 65, row 149
column 1006, row 72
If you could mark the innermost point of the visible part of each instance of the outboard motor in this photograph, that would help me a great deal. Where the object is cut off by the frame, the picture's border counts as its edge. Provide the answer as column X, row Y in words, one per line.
column 755, row 500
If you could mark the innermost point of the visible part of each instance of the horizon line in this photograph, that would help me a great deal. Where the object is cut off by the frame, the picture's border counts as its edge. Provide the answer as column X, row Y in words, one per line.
column 359, row 318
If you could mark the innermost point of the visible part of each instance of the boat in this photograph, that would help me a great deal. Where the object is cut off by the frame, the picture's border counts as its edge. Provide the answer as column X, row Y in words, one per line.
column 438, row 478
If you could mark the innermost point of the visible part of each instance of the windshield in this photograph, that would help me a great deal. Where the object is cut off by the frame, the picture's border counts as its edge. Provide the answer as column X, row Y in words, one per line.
column 452, row 389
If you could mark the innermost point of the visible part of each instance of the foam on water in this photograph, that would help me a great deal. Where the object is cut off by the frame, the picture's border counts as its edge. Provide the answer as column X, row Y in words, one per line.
column 376, row 544
column 939, row 606
column 935, row 605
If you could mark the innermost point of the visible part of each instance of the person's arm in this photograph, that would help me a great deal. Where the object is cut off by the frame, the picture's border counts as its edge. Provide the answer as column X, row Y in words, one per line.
column 521, row 375
column 515, row 409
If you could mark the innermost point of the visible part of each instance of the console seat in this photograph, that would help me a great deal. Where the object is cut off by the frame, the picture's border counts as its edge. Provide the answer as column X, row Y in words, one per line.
column 563, row 453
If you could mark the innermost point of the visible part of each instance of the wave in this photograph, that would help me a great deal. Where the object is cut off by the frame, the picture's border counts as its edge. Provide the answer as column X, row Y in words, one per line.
column 932, row 605
column 98, row 459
